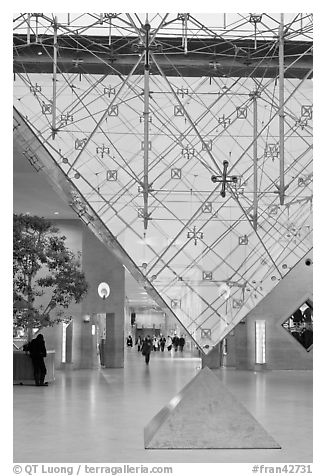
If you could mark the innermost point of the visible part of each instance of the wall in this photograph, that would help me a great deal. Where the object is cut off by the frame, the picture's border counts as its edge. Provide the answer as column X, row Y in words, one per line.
column 98, row 265
column 282, row 350
column 72, row 230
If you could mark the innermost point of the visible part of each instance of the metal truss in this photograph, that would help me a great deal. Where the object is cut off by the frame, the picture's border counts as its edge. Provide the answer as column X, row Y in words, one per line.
column 150, row 118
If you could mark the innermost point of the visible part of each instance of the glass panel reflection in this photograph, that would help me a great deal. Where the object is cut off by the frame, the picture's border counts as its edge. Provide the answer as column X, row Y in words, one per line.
column 300, row 325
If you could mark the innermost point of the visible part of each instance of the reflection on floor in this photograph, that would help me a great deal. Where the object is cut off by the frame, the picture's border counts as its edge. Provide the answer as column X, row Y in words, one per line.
column 98, row 416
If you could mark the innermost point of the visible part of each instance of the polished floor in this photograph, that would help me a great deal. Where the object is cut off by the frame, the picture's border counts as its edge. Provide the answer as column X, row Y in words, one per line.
column 98, row 415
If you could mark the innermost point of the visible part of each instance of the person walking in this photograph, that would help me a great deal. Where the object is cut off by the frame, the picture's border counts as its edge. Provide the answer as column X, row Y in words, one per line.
column 181, row 343
column 162, row 343
column 139, row 343
column 175, row 342
column 155, row 343
column 37, row 352
column 146, row 349
column 169, row 343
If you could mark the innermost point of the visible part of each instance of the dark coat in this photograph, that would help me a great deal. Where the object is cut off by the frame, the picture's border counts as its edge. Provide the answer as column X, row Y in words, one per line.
column 175, row 341
column 146, row 347
column 37, row 348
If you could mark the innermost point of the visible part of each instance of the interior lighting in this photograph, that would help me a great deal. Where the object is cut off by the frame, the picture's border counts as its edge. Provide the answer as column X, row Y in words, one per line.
column 260, row 338
column 64, row 342
column 103, row 290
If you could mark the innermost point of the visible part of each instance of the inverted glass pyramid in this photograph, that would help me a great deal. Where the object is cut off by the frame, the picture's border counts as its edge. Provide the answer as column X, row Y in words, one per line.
column 139, row 152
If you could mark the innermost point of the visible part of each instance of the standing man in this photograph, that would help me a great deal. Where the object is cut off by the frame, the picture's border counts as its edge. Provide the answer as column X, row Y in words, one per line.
column 37, row 352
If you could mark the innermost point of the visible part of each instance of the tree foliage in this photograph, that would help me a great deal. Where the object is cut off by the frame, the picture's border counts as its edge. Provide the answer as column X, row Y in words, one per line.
column 46, row 274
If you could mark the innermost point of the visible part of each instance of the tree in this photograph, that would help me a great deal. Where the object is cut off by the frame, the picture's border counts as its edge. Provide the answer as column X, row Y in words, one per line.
column 46, row 274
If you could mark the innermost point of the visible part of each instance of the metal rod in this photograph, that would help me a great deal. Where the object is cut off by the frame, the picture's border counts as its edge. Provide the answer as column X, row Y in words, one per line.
column 36, row 28
column 153, row 35
column 104, row 115
column 255, row 161
column 281, row 108
column 28, row 28
column 54, row 78
column 146, row 124
column 193, row 125
column 255, row 36
column 185, row 33
column 225, row 167
column 147, row 29
column 273, row 116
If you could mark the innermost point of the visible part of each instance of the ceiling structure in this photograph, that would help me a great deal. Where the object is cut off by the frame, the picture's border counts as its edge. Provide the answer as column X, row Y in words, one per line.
column 183, row 141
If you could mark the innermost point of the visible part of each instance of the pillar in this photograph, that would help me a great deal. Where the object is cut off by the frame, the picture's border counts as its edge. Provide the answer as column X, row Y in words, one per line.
column 114, row 344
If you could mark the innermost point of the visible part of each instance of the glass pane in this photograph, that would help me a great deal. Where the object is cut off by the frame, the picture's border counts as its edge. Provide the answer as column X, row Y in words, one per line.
column 300, row 325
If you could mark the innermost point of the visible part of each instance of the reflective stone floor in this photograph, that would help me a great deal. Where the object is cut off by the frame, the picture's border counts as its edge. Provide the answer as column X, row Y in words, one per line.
column 98, row 415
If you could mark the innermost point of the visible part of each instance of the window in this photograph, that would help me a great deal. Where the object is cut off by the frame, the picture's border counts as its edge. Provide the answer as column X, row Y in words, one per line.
column 300, row 325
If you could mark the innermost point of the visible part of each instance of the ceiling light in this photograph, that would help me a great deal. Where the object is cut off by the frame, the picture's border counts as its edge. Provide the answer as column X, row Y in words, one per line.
column 56, row 213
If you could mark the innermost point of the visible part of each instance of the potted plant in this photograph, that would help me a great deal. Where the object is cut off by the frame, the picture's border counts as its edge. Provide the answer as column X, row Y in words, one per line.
column 47, row 276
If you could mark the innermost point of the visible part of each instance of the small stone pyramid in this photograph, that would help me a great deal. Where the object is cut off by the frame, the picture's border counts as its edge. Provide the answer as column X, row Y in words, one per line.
column 205, row 414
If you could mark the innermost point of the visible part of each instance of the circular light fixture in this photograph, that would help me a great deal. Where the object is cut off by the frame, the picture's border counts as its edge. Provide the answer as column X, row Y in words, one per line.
column 103, row 290
column 273, row 278
column 55, row 213
column 308, row 262
column 284, row 266
column 77, row 175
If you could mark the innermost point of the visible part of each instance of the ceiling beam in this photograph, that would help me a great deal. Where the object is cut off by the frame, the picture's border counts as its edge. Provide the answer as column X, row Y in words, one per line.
column 210, row 57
